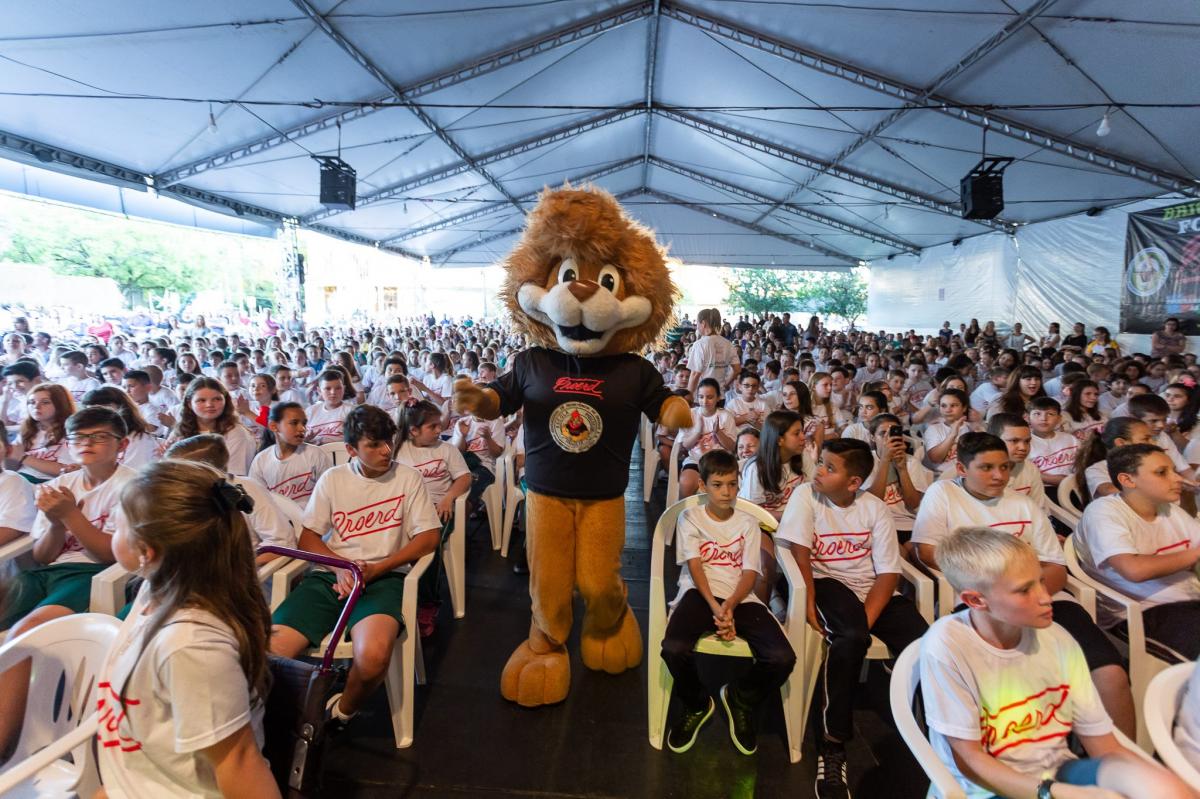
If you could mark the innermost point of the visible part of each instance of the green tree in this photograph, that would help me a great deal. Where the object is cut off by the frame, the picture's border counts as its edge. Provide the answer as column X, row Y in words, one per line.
column 842, row 294
column 135, row 261
column 762, row 291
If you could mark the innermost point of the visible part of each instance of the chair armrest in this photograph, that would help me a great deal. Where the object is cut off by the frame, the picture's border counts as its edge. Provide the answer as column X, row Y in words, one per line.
column 408, row 602
column 45, row 757
column 1084, row 594
column 270, row 567
column 923, row 585
column 283, row 577
column 108, row 590
column 1071, row 520
column 1132, row 747
column 16, row 548
column 658, row 588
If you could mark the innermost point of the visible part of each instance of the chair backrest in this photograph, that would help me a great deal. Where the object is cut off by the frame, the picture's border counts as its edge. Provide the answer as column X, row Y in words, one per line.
column 1069, row 498
column 66, row 656
column 291, row 510
column 337, row 451
column 673, row 469
column 906, row 677
column 1161, row 705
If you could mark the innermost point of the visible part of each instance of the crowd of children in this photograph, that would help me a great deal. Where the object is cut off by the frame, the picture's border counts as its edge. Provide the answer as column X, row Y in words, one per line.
column 876, row 453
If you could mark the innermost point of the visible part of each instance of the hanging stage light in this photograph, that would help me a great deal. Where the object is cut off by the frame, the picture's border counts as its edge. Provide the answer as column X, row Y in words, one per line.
column 338, row 182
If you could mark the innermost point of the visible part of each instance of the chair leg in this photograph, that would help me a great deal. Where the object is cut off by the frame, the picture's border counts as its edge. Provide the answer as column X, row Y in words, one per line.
column 510, row 519
column 454, row 555
column 419, row 656
column 400, row 688
column 658, row 696
column 649, row 472
column 495, row 508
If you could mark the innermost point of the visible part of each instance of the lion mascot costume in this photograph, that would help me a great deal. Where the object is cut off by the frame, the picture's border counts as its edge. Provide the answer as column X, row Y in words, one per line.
column 590, row 289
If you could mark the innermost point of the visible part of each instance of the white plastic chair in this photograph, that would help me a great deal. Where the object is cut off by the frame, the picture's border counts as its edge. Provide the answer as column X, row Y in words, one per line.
column 1143, row 665
column 337, row 451
column 65, row 655
column 407, row 667
column 513, row 497
column 16, row 548
column 796, row 692
column 1163, row 697
column 1069, row 500
column 493, row 499
column 673, row 475
column 906, row 677
column 649, row 457
column 454, row 555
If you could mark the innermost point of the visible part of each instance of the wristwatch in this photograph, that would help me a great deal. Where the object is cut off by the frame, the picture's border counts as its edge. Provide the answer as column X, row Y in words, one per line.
column 1044, row 789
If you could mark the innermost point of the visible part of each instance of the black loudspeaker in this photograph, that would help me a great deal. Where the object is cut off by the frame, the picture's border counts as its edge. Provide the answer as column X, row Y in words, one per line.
column 982, row 190
column 338, row 183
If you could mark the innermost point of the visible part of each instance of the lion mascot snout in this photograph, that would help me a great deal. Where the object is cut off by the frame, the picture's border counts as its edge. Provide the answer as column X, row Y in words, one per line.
column 590, row 289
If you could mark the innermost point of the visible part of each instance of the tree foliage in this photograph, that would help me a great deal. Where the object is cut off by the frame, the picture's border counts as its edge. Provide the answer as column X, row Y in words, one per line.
column 759, row 292
column 842, row 294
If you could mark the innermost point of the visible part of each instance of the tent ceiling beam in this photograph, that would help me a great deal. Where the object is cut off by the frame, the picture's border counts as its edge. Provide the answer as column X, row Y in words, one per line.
column 508, row 151
column 701, row 177
column 892, row 87
column 47, row 155
column 491, row 208
column 487, row 64
column 374, row 71
column 446, row 255
column 651, row 68
column 790, row 239
column 947, row 76
column 810, row 162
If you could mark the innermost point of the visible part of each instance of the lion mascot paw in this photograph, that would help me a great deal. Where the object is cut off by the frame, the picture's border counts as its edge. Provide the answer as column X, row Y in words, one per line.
column 590, row 289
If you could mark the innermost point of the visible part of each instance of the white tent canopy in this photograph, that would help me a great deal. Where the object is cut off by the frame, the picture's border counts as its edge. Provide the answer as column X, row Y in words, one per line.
column 767, row 134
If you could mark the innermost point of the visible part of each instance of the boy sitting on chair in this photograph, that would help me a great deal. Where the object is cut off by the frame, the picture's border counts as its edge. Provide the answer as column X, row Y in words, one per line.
column 375, row 512
column 1143, row 544
column 720, row 546
column 1004, row 686
column 845, row 542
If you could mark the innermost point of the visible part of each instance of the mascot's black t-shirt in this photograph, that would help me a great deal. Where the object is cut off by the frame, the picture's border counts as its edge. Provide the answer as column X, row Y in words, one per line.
column 581, row 418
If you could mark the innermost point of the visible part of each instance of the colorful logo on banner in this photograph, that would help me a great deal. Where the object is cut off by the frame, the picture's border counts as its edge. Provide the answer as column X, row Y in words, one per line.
column 1147, row 272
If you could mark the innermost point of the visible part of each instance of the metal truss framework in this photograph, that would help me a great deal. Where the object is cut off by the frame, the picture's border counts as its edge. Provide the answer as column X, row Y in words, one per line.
column 948, row 75
column 820, row 165
column 651, row 68
column 499, row 154
column 593, row 26
column 790, row 239
column 708, row 180
column 491, row 208
column 374, row 71
column 907, row 93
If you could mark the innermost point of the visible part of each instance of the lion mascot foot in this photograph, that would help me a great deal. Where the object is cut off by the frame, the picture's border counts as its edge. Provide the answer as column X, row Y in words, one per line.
column 538, row 672
column 615, row 650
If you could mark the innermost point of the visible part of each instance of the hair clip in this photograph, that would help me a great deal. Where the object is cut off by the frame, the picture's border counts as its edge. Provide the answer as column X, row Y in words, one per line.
column 411, row 402
column 230, row 497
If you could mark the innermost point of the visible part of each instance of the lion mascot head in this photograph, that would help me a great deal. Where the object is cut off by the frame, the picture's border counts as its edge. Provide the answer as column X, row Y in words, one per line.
column 587, row 279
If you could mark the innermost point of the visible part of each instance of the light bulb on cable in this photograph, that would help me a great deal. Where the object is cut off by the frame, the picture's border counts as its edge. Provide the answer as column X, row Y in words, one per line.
column 1105, row 127
column 212, row 120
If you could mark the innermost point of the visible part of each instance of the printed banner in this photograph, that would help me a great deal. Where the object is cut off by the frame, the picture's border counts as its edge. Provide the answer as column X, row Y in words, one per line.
column 1162, row 269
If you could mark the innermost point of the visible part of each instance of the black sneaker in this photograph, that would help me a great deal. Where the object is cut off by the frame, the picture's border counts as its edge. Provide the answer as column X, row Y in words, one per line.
column 683, row 735
column 334, row 726
column 741, row 723
column 831, row 771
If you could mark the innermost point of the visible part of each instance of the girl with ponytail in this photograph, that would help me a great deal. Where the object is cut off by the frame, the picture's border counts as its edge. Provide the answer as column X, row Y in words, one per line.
column 1091, row 464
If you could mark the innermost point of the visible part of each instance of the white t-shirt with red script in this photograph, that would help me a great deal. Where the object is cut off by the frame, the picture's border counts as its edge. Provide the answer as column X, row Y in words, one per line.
column 477, row 442
column 293, row 477
column 369, row 518
column 1055, row 455
column 164, row 700
column 440, row 465
column 893, row 497
column 725, row 548
column 17, row 508
column 852, row 545
column 1019, row 703
column 704, row 432
column 773, row 502
column 100, row 504
column 325, row 423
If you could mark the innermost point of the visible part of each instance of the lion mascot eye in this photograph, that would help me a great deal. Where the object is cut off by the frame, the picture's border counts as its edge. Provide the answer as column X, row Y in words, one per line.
column 610, row 279
column 566, row 271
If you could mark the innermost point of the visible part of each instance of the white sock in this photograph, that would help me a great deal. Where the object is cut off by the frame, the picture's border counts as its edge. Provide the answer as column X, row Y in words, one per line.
column 335, row 710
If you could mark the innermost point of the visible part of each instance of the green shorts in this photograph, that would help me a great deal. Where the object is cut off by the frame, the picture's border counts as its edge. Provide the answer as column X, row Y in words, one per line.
column 312, row 608
column 65, row 584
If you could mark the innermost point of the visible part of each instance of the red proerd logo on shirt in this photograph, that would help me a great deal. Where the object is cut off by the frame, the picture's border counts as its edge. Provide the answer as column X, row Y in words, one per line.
column 1032, row 719
column 433, row 470
column 326, row 430
column 579, row 385
column 730, row 554
column 1016, row 527
column 369, row 519
column 108, row 705
column 297, row 487
column 842, row 546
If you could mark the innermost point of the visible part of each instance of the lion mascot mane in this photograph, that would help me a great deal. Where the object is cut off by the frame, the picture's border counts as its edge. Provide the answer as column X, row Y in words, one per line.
column 590, row 289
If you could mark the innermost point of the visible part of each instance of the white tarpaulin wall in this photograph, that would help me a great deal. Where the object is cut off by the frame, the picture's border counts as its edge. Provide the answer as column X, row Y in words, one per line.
column 1066, row 270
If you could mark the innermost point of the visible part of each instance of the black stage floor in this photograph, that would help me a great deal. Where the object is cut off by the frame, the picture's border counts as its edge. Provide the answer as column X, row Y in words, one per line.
column 470, row 742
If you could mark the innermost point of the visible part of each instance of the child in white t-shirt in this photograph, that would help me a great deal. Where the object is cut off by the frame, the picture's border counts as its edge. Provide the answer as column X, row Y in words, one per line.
column 844, row 541
column 1004, row 686
column 712, row 428
column 870, row 405
column 75, row 378
column 1050, row 449
column 376, row 513
column 182, row 691
column 718, row 546
column 897, row 478
column 941, row 437
column 41, row 450
column 1144, row 545
column 746, row 407
column 1153, row 410
column 17, row 506
column 289, row 467
column 1023, row 477
column 1091, row 464
column 979, row 497
column 325, row 418
column 484, row 440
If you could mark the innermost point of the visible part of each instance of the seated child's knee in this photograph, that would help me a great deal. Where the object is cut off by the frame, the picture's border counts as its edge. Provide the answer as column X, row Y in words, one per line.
column 371, row 658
